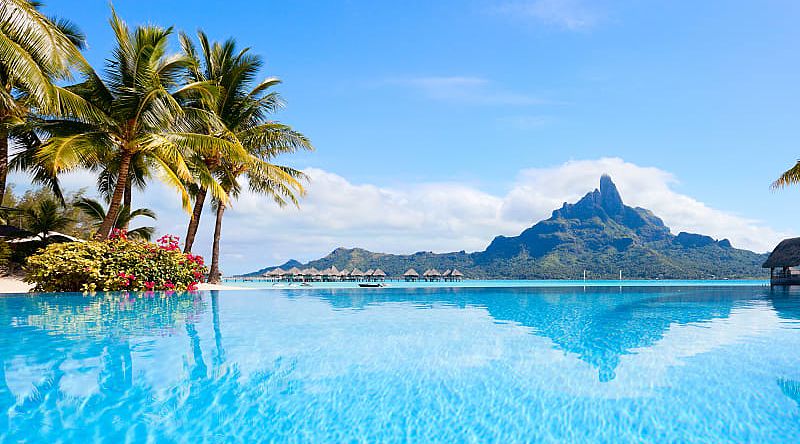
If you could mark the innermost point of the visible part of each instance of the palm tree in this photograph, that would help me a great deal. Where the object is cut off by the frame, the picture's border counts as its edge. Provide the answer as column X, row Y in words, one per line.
column 136, row 114
column 789, row 177
column 97, row 213
column 242, row 107
column 46, row 217
column 34, row 51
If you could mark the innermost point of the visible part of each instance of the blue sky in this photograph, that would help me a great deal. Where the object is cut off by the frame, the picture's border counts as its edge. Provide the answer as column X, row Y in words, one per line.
column 477, row 94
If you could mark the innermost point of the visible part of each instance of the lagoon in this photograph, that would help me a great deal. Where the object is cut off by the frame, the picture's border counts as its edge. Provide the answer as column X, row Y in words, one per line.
column 513, row 364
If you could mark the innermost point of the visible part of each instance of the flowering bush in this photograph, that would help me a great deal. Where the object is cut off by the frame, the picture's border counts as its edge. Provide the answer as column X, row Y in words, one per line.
column 115, row 264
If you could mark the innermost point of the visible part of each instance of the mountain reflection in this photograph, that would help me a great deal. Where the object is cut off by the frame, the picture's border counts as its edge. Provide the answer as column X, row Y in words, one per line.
column 599, row 325
column 130, row 367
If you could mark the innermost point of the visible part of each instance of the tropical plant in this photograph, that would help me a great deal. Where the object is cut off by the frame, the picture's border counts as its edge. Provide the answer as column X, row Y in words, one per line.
column 789, row 177
column 138, row 111
column 45, row 218
column 34, row 52
column 95, row 211
column 242, row 107
column 113, row 265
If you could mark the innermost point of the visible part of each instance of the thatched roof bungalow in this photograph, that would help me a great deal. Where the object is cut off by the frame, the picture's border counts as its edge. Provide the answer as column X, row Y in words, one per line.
column 456, row 275
column 782, row 263
column 378, row 274
column 411, row 275
column 432, row 274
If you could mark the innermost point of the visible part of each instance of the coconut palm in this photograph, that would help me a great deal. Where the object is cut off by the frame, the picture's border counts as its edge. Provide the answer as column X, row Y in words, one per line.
column 97, row 214
column 45, row 217
column 789, row 177
column 242, row 106
column 34, row 51
column 137, row 111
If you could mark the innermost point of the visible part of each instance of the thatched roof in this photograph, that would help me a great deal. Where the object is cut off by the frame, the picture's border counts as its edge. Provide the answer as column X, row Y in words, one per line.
column 432, row 272
column 456, row 273
column 786, row 254
column 294, row 270
column 274, row 272
column 356, row 272
column 411, row 272
column 446, row 273
column 344, row 273
column 334, row 270
column 378, row 272
column 369, row 272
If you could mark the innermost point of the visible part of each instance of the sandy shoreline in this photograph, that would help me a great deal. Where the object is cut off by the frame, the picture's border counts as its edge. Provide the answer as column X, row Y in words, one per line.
column 16, row 285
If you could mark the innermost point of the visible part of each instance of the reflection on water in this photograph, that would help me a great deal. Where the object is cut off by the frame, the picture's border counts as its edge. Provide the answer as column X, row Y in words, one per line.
column 565, row 364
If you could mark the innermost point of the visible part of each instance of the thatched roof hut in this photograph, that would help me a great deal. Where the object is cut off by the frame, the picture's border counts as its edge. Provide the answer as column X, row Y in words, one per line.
column 456, row 273
column 294, row 271
column 275, row 272
column 786, row 254
column 369, row 272
column 411, row 273
column 356, row 273
column 446, row 273
column 378, row 273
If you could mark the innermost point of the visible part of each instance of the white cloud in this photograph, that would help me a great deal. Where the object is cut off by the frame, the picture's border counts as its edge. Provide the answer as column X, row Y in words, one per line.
column 434, row 216
column 569, row 14
column 465, row 89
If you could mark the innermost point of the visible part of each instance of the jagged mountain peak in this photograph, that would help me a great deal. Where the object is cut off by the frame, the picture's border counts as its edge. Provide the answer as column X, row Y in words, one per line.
column 599, row 233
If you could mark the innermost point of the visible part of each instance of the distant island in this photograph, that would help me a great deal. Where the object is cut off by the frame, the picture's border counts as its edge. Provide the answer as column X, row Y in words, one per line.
column 598, row 234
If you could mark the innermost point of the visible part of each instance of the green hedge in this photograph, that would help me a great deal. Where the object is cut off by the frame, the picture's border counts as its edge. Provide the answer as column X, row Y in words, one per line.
column 114, row 265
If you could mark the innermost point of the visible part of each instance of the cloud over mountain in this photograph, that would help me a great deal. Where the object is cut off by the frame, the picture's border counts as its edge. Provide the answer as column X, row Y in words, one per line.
column 435, row 216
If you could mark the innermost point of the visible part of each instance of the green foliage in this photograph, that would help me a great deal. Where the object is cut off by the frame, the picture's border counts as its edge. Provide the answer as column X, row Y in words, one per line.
column 5, row 254
column 77, row 224
column 95, row 211
column 114, row 265
column 45, row 217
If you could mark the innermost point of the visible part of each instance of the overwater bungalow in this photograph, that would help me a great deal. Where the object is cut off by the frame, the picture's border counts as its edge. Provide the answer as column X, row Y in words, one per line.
column 378, row 275
column 411, row 275
column 432, row 275
column 446, row 275
column 783, row 263
column 357, row 275
column 293, row 274
column 456, row 276
column 368, row 274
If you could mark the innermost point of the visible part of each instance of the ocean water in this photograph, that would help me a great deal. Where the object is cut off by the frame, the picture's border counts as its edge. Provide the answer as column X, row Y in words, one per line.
column 515, row 364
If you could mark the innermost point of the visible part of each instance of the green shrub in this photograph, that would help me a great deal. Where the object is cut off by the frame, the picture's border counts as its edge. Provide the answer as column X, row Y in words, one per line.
column 114, row 265
column 5, row 255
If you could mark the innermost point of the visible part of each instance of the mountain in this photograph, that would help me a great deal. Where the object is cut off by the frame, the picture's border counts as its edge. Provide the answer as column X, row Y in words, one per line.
column 599, row 234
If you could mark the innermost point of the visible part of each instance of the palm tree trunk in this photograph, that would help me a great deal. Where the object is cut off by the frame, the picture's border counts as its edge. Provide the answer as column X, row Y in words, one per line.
column 214, row 275
column 3, row 163
column 194, row 222
column 127, row 198
column 116, row 198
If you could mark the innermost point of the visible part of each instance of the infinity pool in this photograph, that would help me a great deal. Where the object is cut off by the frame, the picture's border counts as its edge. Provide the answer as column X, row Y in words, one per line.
column 600, row 364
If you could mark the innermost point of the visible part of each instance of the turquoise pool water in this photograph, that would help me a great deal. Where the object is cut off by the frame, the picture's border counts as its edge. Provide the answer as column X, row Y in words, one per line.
column 571, row 364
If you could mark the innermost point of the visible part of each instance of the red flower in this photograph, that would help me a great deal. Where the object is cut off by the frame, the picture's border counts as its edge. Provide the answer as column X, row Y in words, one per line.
column 149, row 285
column 192, row 287
column 117, row 233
